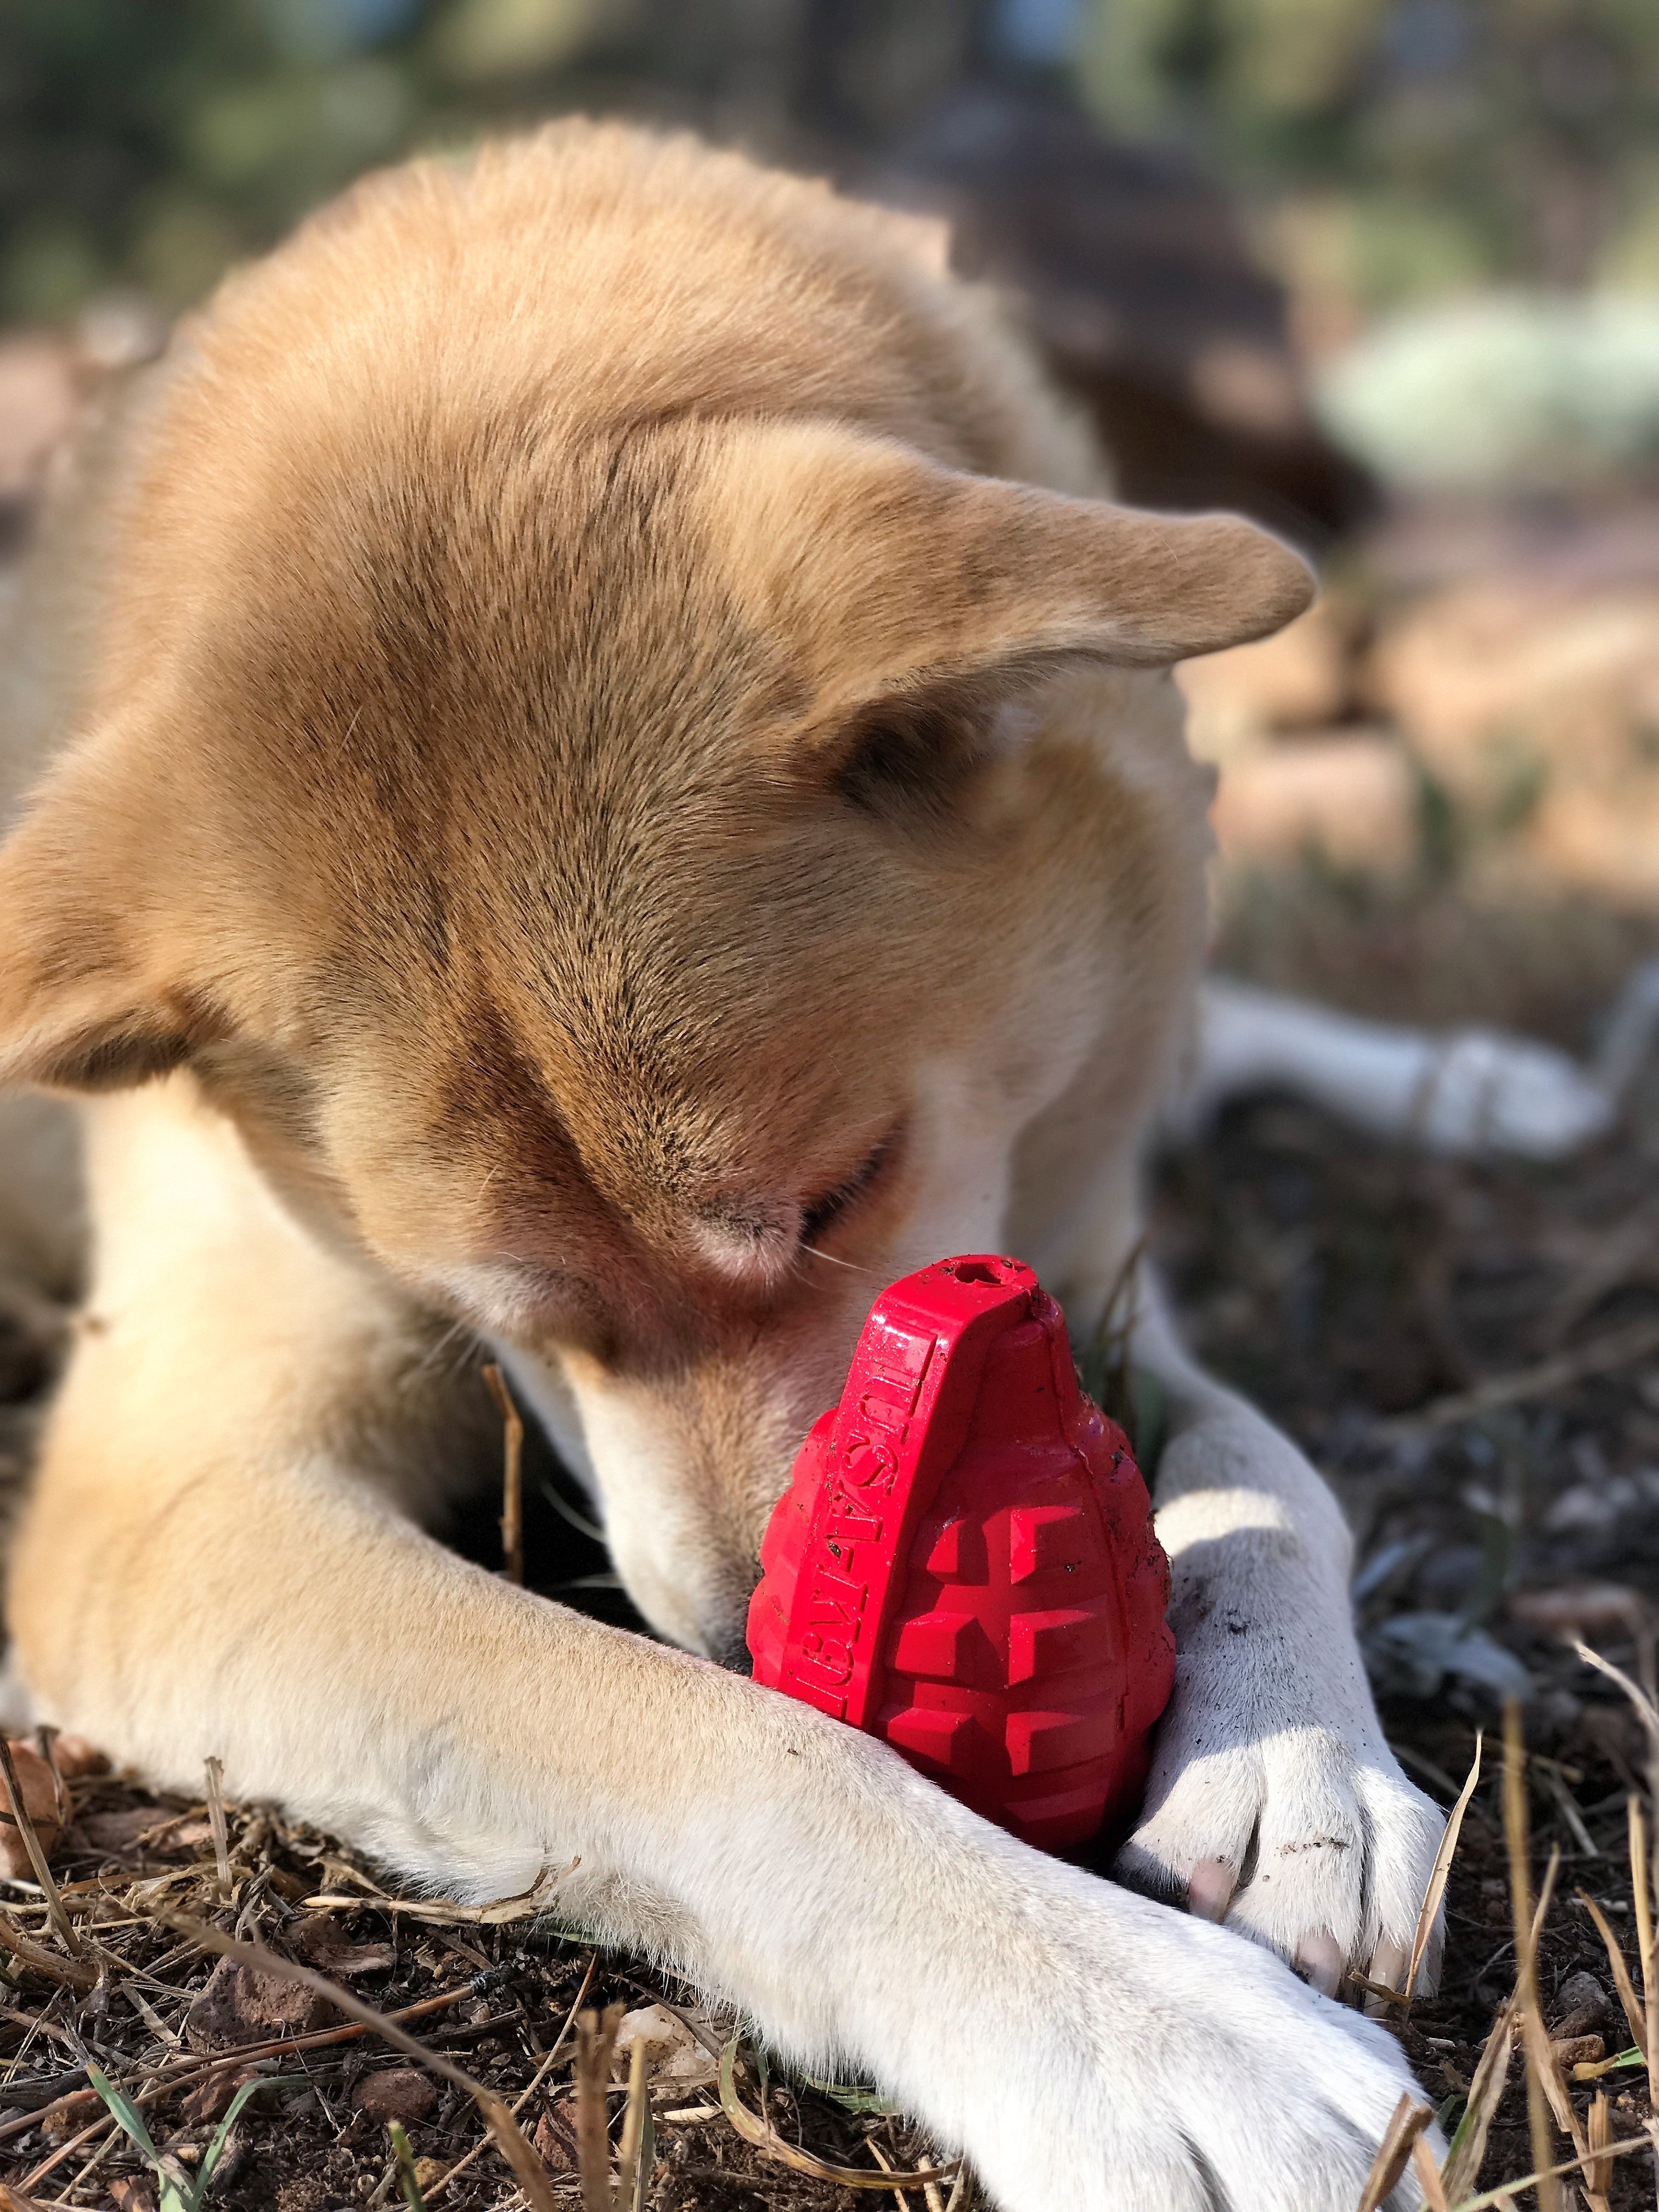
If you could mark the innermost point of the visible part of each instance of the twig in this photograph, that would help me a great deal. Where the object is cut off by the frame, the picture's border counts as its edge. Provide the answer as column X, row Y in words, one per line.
column 1406, row 2125
column 1568, row 1807
column 531, row 2173
column 1491, row 2074
column 1642, row 1895
column 185, row 2072
column 1598, row 2172
column 442, row 1910
column 25, row 1827
column 66, row 2150
column 523, row 2099
column 635, row 2151
column 1428, row 2176
column 1543, row 2052
column 765, row 2137
column 215, row 1813
column 596, row 2039
column 1438, row 1874
column 1602, row 1355
column 512, row 1474
column 904, row 2203
column 1635, row 2016
column 1532, row 2026
column 113, row 2139
column 1645, row 1711
column 1507, row 2192
column 73, row 1974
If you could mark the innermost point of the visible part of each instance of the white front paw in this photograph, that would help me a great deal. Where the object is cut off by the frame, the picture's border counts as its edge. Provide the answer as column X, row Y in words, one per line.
column 1302, row 1834
column 1180, row 2070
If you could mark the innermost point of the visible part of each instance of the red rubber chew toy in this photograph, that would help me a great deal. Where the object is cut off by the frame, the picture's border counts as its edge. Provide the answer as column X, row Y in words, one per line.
column 965, row 1562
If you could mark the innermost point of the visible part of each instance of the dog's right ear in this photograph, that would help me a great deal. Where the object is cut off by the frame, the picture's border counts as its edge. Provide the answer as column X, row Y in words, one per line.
column 889, row 576
column 82, row 1007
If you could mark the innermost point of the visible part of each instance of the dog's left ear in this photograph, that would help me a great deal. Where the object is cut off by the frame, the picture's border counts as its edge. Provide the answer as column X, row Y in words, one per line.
column 84, row 1006
column 890, row 576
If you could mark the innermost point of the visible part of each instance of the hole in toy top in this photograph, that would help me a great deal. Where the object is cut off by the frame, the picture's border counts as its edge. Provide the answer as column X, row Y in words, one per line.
column 973, row 1271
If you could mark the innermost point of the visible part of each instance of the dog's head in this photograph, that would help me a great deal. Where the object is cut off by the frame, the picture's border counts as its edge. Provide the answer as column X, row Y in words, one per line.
column 636, row 885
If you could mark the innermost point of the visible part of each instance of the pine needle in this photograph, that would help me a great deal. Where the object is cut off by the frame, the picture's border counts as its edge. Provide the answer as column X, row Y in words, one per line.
column 215, row 1813
column 1439, row 1873
column 1400, row 2138
column 1532, row 2025
column 1635, row 2016
column 765, row 2137
column 1468, row 2144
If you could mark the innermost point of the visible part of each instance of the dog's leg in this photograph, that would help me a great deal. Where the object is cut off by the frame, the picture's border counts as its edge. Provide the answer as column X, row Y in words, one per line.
column 1273, row 1800
column 217, row 1561
column 1468, row 1091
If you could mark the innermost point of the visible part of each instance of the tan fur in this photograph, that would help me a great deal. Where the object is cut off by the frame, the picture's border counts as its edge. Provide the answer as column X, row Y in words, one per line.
column 614, row 717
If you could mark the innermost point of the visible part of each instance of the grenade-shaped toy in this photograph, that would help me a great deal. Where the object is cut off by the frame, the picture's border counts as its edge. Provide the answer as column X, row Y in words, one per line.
column 964, row 1563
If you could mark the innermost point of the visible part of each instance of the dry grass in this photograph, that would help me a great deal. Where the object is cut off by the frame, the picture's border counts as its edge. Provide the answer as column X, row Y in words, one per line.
column 509, row 2011
column 1350, row 1290
column 142, row 1924
column 1466, row 1351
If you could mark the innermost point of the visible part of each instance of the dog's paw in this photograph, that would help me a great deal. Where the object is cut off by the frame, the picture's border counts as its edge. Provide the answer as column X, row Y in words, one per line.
column 1309, row 1839
column 1183, row 2070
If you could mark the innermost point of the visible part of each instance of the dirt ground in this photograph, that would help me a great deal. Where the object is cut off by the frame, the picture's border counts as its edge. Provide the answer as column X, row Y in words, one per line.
column 1470, row 1352
column 1353, row 1291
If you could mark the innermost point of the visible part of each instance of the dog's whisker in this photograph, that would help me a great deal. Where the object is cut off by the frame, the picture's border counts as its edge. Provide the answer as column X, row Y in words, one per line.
column 835, row 1261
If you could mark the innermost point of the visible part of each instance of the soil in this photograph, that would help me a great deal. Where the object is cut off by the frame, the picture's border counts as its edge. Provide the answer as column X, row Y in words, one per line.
column 1458, row 1346
column 1350, row 1290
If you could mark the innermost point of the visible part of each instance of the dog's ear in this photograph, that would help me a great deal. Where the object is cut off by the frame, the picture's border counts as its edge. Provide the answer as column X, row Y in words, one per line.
column 892, row 577
column 80, row 1008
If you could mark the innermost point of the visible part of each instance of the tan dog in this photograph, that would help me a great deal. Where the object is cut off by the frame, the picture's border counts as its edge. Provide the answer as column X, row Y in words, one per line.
column 607, row 809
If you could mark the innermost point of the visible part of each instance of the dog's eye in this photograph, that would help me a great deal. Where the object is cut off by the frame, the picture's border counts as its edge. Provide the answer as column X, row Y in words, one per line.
column 824, row 1214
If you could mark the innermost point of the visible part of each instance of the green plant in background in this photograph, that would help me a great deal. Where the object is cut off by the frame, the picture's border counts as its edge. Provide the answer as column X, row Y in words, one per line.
column 180, row 2191
column 1432, row 141
column 408, row 2180
column 149, row 145
column 1533, row 392
column 1399, row 147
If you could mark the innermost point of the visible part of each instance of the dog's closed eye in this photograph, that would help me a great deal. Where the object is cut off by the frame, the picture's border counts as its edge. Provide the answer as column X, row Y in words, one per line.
column 824, row 1214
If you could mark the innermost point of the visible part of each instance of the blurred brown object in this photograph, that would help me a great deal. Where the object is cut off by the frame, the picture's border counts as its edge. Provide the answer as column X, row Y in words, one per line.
column 1349, row 799
column 1298, row 679
column 39, row 401
column 1141, row 289
column 44, row 1804
column 74, row 1758
column 1535, row 706
column 1510, row 654
column 1294, row 782
column 1582, row 1609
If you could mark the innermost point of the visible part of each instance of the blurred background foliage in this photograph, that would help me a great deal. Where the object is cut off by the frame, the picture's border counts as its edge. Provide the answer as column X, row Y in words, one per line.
column 1388, row 151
